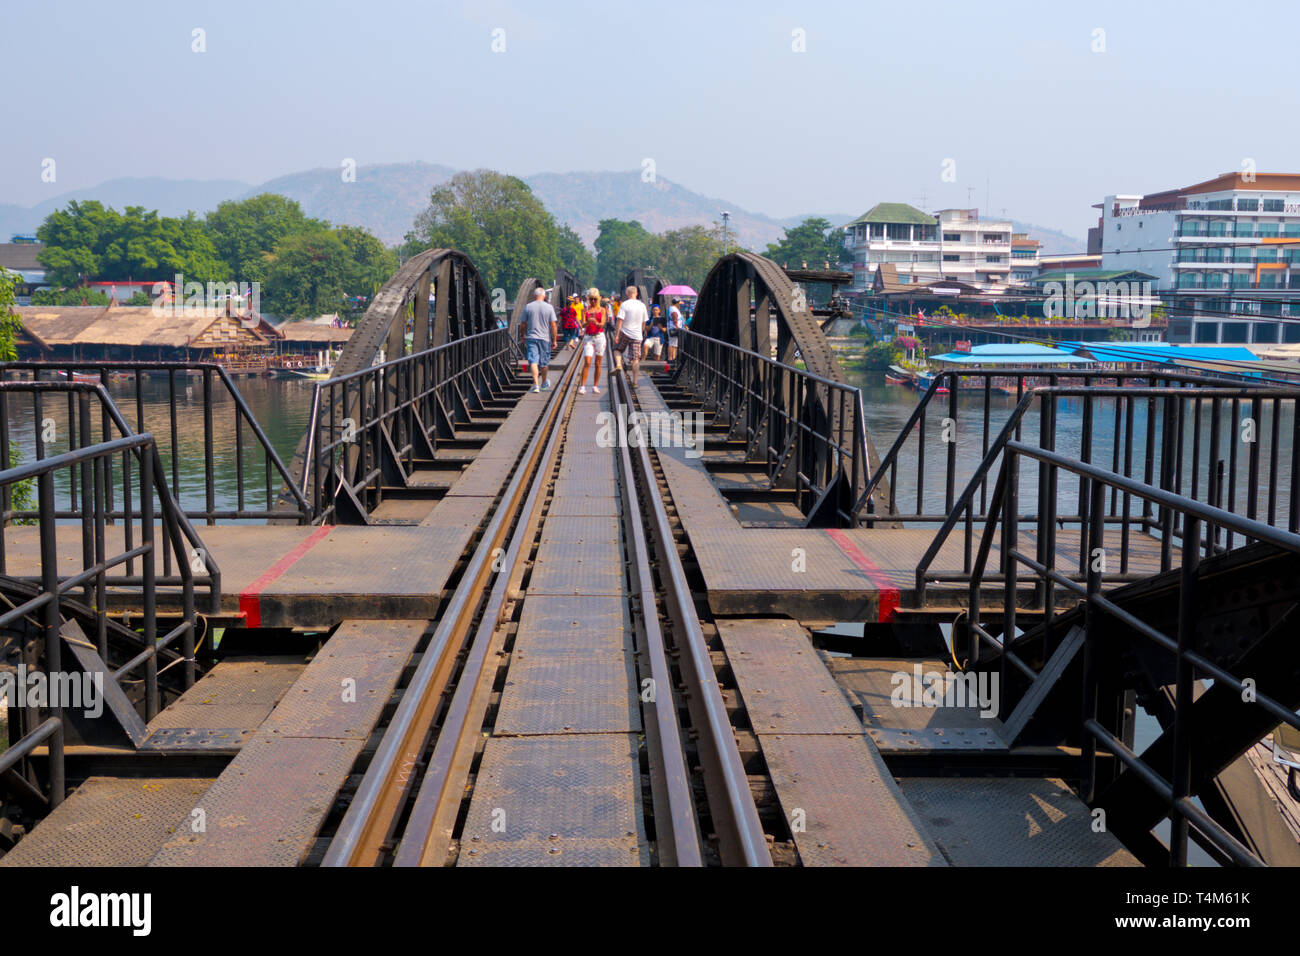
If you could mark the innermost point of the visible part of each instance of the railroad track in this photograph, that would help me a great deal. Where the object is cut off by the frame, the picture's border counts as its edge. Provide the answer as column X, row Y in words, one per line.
column 662, row 784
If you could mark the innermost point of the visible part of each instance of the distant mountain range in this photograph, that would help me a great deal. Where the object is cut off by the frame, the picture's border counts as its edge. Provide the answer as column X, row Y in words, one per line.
column 386, row 199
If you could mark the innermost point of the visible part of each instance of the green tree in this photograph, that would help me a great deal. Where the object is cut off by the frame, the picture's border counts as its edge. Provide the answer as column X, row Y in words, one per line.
column 324, row 270
column 75, row 295
column 496, row 221
column 245, row 232
column 88, row 241
column 307, row 275
column 371, row 263
column 22, row 494
column 812, row 242
column 686, row 255
column 576, row 257
column 10, row 323
column 621, row 247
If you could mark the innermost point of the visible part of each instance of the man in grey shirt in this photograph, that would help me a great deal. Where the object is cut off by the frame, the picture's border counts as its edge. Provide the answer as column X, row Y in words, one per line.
column 541, row 331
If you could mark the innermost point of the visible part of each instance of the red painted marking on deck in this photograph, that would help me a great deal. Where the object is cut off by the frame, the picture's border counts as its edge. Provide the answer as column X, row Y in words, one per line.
column 888, row 603
column 250, row 603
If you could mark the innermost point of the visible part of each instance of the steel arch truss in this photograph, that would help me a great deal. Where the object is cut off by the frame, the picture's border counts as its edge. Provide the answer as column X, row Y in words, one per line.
column 391, row 401
column 807, row 428
column 565, row 285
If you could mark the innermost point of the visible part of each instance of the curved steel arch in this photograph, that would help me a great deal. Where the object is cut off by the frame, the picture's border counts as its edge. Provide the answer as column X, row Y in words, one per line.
column 462, row 307
column 565, row 285
column 742, row 297
column 648, row 287
column 742, row 294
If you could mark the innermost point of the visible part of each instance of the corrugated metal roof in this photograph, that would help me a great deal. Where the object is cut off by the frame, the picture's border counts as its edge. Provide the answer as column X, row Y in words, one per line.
column 1013, row 353
column 20, row 255
column 120, row 325
column 1159, row 352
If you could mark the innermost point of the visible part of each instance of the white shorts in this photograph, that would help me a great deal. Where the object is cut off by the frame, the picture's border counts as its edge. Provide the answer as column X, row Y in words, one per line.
column 654, row 347
column 593, row 345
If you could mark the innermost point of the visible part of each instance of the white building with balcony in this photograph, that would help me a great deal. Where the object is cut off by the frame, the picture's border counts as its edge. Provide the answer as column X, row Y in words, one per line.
column 1024, row 258
column 1225, row 251
column 955, row 244
column 974, row 250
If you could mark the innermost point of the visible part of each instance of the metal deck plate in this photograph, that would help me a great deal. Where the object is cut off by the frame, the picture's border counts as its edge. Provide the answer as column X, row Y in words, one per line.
column 598, row 465
column 556, row 801
column 839, row 789
column 347, row 684
column 783, row 682
column 402, row 512
column 569, row 507
column 267, row 806
column 227, row 704
column 562, row 624
column 570, row 693
column 485, row 476
column 463, row 511
column 585, row 488
column 873, row 682
column 433, row 478
column 898, row 740
column 111, row 821
column 1011, row 821
column 580, row 555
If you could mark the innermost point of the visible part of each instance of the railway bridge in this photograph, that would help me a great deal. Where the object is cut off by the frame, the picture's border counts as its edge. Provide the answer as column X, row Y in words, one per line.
column 707, row 620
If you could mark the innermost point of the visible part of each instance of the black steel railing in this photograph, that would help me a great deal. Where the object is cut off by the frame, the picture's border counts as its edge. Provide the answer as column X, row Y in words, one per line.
column 395, row 414
column 1187, row 436
column 207, row 432
column 39, row 579
column 971, row 408
column 807, row 432
column 77, row 499
column 1102, row 614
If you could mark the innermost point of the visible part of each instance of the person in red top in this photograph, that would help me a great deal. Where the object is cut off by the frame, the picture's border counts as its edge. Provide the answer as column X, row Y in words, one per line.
column 593, row 340
column 569, row 321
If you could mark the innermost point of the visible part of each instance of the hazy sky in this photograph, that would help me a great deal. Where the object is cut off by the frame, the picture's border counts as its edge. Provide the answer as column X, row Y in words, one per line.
column 714, row 93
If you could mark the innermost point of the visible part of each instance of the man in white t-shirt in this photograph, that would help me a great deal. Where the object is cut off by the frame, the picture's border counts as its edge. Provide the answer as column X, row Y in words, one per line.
column 632, row 318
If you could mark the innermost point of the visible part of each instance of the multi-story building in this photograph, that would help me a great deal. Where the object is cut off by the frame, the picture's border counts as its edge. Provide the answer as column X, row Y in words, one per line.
column 1024, row 258
column 973, row 250
column 955, row 245
column 896, row 233
column 1225, row 253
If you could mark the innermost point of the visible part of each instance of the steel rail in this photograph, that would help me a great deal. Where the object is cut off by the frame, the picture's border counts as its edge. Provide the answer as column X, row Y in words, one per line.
column 369, row 824
column 676, row 829
column 741, row 840
column 426, row 840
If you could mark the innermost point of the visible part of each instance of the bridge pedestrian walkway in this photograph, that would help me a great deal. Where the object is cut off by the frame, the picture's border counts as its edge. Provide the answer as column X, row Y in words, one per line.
column 828, row 728
column 560, row 779
column 307, row 576
column 296, row 741
column 819, row 574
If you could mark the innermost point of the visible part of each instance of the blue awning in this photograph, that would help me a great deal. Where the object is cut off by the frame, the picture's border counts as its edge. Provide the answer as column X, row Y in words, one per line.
column 1157, row 353
column 1013, row 354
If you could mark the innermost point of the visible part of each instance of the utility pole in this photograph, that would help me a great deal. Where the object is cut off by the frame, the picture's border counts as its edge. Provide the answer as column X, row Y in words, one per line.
column 725, row 217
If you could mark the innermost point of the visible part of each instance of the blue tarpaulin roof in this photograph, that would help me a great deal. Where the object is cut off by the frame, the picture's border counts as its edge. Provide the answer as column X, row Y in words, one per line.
column 1157, row 352
column 1013, row 353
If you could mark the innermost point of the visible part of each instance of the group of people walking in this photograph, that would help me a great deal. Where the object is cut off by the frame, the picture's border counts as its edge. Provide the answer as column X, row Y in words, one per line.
column 585, row 324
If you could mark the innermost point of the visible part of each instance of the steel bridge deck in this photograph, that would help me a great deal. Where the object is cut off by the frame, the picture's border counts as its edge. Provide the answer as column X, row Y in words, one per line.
column 812, row 574
column 296, row 576
column 560, row 781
